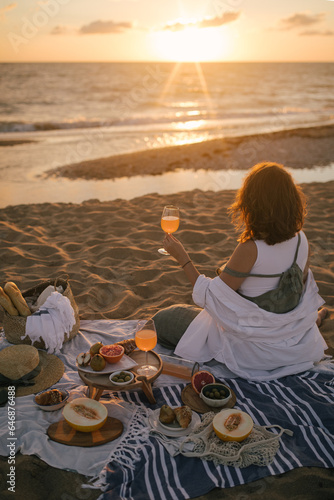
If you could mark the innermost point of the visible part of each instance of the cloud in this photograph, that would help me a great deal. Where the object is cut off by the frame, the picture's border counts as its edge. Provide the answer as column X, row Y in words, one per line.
column 302, row 19
column 103, row 27
column 212, row 22
column 317, row 33
column 6, row 9
column 59, row 30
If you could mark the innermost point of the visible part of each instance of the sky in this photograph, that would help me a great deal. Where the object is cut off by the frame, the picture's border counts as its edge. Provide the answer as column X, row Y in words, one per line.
column 166, row 30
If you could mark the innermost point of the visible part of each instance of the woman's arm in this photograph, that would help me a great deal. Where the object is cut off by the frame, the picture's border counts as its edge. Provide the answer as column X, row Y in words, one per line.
column 176, row 249
column 242, row 260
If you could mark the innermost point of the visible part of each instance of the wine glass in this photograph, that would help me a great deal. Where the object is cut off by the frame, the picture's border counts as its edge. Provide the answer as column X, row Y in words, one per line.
column 170, row 220
column 146, row 339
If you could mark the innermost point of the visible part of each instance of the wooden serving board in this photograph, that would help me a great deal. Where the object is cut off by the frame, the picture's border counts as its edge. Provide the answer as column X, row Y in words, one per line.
column 190, row 398
column 65, row 434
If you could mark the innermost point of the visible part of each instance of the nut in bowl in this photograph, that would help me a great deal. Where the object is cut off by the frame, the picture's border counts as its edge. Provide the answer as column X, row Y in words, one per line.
column 51, row 400
column 121, row 377
column 112, row 353
column 215, row 395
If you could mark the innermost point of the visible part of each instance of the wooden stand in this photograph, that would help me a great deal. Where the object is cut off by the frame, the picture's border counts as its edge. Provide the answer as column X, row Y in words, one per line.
column 98, row 383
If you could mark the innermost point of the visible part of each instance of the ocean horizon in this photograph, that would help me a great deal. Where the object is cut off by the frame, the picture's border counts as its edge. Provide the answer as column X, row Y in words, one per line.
column 73, row 112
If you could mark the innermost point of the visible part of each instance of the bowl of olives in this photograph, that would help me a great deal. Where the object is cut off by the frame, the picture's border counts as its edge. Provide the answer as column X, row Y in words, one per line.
column 215, row 395
column 121, row 377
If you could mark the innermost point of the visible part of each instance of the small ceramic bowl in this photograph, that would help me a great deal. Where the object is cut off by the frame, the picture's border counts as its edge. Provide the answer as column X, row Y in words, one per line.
column 56, row 406
column 117, row 374
column 215, row 395
column 112, row 353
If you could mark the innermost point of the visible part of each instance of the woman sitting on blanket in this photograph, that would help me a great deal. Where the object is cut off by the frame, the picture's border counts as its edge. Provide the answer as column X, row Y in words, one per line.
column 260, row 315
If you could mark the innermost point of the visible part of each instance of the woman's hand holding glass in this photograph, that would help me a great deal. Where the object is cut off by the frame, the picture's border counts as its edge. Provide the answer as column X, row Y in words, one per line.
column 175, row 249
column 170, row 220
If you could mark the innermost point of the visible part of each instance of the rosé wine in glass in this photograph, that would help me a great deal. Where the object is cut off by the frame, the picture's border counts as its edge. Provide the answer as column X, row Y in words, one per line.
column 146, row 339
column 170, row 221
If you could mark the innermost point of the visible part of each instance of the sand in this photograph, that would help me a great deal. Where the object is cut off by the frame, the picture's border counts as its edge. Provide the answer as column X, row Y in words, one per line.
column 109, row 251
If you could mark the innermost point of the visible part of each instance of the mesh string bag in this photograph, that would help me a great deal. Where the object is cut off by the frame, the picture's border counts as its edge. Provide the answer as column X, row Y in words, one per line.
column 259, row 448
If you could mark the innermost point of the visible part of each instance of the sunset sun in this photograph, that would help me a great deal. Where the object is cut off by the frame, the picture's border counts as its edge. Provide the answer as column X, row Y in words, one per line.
column 192, row 45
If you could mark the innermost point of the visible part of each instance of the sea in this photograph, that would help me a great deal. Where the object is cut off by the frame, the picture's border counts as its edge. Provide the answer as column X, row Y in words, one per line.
column 73, row 112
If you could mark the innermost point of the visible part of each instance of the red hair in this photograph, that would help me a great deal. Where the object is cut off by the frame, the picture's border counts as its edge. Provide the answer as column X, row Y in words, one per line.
column 269, row 206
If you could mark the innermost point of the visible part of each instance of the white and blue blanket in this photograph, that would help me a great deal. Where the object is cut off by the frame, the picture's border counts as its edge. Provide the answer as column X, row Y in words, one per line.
column 301, row 403
column 137, row 465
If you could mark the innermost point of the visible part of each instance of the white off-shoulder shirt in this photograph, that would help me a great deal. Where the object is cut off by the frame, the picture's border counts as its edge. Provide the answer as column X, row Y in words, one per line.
column 253, row 343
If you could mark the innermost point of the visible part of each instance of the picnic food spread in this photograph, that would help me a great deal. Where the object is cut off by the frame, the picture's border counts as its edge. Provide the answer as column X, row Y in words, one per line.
column 85, row 415
column 123, row 376
column 83, row 359
column 232, row 425
column 200, row 379
column 49, row 397
column 112, row 353
column 99, row 354
column 12, row 300
column 97, row 363
column 181, row 414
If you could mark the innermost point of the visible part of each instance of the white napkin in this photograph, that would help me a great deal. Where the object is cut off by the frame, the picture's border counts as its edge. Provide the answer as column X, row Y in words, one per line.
column 44, row 295
column 51, row 322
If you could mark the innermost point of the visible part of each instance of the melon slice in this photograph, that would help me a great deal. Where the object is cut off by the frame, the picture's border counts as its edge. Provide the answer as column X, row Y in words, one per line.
column 232, row 425
column 85, row 415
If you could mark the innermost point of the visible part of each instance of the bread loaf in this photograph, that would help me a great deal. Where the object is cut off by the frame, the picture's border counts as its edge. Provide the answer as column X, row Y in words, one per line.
column 16, row 297
column 7, row 304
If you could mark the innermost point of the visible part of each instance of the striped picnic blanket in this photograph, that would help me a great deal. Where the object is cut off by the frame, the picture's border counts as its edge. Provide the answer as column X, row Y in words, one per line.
column 302, row 403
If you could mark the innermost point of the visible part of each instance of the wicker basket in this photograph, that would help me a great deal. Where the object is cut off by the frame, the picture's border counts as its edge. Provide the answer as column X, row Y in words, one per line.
column 15, row 326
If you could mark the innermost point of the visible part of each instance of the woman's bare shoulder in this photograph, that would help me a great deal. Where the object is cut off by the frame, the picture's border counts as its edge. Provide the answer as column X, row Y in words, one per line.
column 243, row 257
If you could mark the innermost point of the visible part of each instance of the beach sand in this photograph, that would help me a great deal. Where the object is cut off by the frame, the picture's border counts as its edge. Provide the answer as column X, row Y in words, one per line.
column 109, row 251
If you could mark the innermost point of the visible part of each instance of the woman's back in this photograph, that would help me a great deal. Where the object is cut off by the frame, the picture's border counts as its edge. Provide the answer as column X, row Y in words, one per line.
column 273, row 259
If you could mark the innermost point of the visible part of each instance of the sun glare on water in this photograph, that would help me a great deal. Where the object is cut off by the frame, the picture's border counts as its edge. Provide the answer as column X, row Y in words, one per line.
column 192, row 44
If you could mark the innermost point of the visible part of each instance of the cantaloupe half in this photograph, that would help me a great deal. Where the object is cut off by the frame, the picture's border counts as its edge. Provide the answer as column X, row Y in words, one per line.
column 85, row 415
column 232, row 425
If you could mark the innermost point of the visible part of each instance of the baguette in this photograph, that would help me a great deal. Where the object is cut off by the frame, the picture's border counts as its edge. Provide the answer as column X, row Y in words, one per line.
column 7, row 304
column 19, row 302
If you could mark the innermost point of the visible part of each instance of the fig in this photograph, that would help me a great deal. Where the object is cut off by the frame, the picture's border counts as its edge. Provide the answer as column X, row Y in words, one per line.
column 95, row 348
column 97, row 363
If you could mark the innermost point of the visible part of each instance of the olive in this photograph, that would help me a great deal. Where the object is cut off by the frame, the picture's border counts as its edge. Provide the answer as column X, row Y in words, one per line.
column 127, row 378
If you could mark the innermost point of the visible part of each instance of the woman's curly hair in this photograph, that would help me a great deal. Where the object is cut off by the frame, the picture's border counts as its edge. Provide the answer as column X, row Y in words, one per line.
column 269, row 206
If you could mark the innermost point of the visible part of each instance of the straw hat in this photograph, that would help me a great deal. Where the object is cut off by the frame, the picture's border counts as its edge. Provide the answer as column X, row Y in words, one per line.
column 23, row 364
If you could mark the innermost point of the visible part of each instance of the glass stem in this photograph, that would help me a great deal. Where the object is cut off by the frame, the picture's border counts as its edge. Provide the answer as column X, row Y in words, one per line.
column 146, row 358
